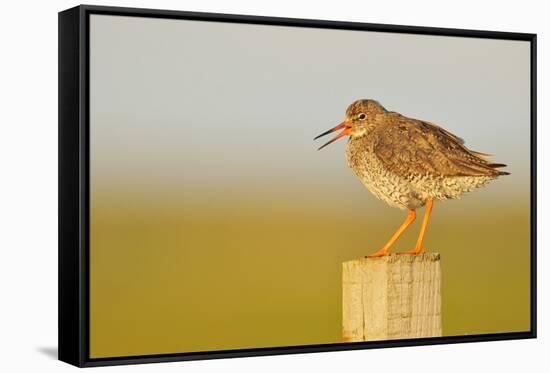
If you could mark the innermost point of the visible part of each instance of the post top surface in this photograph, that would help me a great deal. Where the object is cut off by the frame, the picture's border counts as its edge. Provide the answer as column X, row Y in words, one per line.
column 395, row 258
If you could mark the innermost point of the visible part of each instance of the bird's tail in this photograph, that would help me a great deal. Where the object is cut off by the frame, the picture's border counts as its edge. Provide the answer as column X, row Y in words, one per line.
column 499, row 165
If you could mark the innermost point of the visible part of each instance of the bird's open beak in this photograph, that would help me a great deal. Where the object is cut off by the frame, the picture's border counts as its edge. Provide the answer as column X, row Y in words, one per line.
column 344, row 125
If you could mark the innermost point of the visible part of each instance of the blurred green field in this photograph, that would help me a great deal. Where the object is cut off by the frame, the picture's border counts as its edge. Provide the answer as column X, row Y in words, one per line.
column 214, row 272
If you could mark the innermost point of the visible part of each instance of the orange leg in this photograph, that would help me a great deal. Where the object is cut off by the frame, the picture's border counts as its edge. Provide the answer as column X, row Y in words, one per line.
column 419, row 248
column 408, row 221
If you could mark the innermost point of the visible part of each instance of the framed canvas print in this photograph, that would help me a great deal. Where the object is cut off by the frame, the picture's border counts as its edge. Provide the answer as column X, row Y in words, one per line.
column 237, row 186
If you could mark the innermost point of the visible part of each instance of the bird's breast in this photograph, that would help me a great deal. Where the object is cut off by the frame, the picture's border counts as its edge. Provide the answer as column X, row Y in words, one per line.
column 380, row 181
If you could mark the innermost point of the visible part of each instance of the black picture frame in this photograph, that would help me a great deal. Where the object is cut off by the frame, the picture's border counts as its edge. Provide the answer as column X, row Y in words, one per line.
column 74, row 184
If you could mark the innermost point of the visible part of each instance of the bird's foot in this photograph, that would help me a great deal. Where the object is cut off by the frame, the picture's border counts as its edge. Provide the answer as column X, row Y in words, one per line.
column 378, row 254
column 417, row 250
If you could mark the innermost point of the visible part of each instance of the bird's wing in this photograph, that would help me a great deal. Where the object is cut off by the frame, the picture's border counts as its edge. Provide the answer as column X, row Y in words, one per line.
column 409, row 146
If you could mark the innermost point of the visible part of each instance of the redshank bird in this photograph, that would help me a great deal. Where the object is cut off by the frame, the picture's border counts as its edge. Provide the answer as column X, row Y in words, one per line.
column 409, row 163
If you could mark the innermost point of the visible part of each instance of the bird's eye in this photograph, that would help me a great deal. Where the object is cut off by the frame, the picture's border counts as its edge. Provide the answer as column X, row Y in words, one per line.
column 362, row 116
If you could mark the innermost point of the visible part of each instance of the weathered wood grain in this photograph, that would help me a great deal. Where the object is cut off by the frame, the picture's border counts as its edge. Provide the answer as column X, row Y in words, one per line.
column 392, row 297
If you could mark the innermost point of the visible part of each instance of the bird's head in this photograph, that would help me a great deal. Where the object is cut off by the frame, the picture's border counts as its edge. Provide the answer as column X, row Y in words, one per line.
column 359, row 117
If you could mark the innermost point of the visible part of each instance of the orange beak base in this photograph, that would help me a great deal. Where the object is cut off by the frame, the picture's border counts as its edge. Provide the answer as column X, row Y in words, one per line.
column 346, row 131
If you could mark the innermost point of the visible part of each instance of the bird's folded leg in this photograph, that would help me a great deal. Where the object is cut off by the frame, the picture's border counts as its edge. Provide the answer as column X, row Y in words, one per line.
column 419, row 248
column 408, row 221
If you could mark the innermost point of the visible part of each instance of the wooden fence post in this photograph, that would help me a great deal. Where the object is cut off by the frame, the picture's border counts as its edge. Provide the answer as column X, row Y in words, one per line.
column 391, row 297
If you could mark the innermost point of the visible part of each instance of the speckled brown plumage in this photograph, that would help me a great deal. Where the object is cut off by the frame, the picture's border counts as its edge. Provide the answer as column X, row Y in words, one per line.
column 407, row 162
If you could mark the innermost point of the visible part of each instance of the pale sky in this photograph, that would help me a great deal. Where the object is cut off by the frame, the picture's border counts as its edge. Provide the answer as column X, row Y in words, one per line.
column 190, row 104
